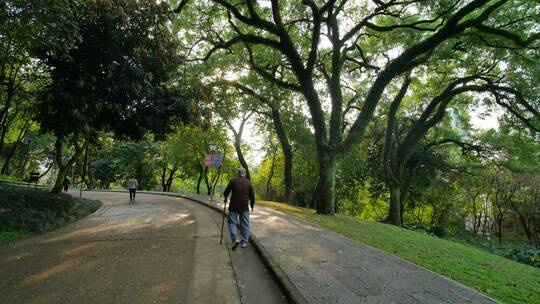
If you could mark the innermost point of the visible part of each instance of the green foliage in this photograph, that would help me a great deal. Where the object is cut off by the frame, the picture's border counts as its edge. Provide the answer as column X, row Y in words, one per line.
column 117, row 75
column 119, row 160
column 36, row 210
column 512, row 248
column 261, row 175
column 38, row 26
column 527, row 255
column 12, row 234
column 516, row 150
column 351, row 182
column 104, row 172
column 181, row 154
column 25, row 27
column 10, row 178
column 117, row 69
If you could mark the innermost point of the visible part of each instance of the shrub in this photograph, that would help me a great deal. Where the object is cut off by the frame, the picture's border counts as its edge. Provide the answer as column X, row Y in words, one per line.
column 10, row 178
column 438, row 231
column 37, row 210
column 527, row 255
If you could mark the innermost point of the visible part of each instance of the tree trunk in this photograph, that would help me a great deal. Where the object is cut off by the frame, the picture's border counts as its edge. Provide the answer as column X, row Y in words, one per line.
column 394, row 212
column 324, row 195
column 163, row 184
column 219, row 173
column 199, row 180
column 269, row 181
column 5, row 167
column 207, row 182
column 398, row 185
column 63, row 168
column 484, row 225
column 170, row 179
column 58, row 184
column 2, row 137
column 499, row 228
column 394, row 182
column 288, row 177
column 24, row 158
column 240, row 154
column 287, row 155
column 11, row 85
column 536, row 231
column 22, row 134
column 139, row 175
column 528, row 232
column 401, row 208
column 394, row 166
column 478, row 221
column 238, row 141
column 85, row 169
column 524, row 223
column 281, row 134
column 215, row 180
column 476, row 217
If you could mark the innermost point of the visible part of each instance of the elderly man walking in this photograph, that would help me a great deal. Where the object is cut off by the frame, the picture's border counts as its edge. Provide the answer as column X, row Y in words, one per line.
column 242, row 197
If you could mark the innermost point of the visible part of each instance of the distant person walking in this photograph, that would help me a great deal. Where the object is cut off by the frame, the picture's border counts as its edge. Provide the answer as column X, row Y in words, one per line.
column 132, row 186
column 242, row 197
column 66, row 184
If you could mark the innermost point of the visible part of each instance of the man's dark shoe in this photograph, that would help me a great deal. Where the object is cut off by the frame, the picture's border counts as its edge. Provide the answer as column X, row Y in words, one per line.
column 244, row 245
column 235, row 244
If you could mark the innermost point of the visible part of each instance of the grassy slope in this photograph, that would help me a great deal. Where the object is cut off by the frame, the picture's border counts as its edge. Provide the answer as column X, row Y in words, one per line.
column 500, row 278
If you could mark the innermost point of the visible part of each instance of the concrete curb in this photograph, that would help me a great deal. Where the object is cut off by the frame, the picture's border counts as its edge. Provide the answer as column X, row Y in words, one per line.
column 287, row 286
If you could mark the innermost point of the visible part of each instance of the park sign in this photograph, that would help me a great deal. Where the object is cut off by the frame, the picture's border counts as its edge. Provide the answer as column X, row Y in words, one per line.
column 217, row 161
column 208, row 160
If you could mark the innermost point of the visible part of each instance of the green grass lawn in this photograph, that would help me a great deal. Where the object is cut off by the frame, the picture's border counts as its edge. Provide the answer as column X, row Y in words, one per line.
column 495, row 276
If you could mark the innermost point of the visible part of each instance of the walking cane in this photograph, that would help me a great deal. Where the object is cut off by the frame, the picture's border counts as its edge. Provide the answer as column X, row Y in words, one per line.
column 222, row 222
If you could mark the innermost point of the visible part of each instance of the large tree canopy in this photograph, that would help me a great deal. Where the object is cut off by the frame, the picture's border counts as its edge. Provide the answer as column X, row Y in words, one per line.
column 346, row 57
column 119, row 76
column 26, row 26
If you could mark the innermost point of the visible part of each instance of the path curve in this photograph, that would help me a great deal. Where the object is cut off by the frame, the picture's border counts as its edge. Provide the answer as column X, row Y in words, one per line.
column 157, row 250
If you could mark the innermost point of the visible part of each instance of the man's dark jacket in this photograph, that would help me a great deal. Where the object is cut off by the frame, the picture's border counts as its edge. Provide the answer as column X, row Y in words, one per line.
column 242, row 194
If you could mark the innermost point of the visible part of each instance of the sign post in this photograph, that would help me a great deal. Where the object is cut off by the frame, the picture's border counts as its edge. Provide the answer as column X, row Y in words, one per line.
column 223, row 221
column 212, row 147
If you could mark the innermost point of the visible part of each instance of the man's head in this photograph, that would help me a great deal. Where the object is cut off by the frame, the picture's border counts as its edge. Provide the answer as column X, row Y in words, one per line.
column 241, row 172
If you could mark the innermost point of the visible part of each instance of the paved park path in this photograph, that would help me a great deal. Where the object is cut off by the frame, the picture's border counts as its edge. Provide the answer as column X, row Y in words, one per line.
column 329, row 268
column 324, row 267
column 159, row 250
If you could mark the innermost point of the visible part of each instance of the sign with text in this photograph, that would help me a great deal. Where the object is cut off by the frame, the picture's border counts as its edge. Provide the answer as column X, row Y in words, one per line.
column 208, row 160
column 217, row 161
